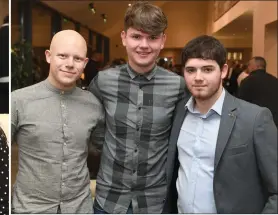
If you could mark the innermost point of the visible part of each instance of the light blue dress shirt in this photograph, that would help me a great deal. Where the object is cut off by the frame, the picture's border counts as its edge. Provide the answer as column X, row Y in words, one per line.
column 196, row 147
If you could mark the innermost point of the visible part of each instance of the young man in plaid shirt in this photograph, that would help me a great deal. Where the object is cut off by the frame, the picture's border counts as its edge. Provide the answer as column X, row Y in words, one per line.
column 139, row 99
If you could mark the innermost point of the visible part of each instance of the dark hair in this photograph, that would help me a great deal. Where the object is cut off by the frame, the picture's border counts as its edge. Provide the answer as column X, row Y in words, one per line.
column 205, row 47
column 260, row 62
column 6, row 19
column 145, row 17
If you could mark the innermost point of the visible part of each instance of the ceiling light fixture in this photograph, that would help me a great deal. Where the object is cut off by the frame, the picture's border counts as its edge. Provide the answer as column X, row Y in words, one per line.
column 129, row 5
column 104, row 17
column 92, row 8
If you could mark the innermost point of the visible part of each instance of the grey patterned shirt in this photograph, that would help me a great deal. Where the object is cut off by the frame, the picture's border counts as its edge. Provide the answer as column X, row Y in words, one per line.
column 139, row 110
column 52, row 129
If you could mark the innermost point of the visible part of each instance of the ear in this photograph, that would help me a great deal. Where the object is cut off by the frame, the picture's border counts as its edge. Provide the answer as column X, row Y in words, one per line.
column 47, row 56
column 123, row 36
column 224, row 71
column 85, row 62
column 163, row 41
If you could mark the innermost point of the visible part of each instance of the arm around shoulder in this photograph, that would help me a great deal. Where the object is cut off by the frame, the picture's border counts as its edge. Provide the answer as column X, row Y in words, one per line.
column 265, row 140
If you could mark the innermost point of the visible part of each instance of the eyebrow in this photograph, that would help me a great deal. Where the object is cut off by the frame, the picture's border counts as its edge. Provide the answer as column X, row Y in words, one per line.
column 193, row 67
column 75, row 56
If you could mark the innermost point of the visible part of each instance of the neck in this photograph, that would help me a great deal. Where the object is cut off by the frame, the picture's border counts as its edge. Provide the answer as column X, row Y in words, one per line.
column 60, row 86
column 203, row 106
column 141, row 70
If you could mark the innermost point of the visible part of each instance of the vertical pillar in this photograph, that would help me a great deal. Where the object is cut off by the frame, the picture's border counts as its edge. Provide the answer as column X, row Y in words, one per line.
column 106, row 50
column 99, row 40
column 25, row 20
column 56, row 23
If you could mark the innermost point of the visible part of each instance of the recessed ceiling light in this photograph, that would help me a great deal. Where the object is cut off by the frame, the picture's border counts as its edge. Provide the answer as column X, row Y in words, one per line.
column 129, row 5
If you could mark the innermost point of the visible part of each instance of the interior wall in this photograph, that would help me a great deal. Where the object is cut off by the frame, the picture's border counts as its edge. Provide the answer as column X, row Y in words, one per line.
column 270, row 51
column 4, row 10
column 264, row 13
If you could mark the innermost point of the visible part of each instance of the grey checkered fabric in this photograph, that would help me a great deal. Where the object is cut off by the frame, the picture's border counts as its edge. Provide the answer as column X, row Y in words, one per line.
column 139, row 110
column 52, row 129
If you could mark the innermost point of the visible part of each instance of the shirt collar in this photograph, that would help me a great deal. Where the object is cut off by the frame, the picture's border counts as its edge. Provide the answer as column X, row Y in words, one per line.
column 56, row 90
column 148, row 75
column 217, row 107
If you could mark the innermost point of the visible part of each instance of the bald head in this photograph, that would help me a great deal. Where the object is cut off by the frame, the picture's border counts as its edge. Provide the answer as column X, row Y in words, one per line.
column 67, row 58
column 67, row 37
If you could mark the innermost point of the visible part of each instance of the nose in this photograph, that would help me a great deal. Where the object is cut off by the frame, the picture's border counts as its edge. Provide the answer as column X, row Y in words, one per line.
column 70, row 62
column 198, row 76
column 144, row 43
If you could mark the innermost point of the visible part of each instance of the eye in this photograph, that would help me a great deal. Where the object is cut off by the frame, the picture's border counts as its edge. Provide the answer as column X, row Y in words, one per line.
column 153, row 37
column 208, row 70
column 190, row 70
column 135, row 36
column 62, row 56
column 78, row 59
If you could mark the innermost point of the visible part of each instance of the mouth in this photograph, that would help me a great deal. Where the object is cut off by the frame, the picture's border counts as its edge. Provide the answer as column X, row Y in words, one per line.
column 68, row 72
column 199, row 86
column 143, row 54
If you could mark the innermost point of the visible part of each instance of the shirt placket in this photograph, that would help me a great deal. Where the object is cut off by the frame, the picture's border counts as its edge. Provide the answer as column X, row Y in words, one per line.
column 139, row 120
column 195, row 163
column 64, row 147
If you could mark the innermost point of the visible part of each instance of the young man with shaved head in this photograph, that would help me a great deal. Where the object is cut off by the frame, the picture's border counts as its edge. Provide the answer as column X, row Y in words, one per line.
column 52, row 123
column 139, row 99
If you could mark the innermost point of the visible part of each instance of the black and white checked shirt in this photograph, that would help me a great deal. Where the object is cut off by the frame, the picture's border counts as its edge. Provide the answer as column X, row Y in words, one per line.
column 139, row 110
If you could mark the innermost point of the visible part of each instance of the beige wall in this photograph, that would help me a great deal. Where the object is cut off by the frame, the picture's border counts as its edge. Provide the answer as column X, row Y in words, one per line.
column 262, row 43
column 270, row 45
column 4, row 9
column 264, row 13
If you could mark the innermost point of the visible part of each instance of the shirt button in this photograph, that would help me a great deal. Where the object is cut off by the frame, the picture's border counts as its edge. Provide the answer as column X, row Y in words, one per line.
column 65, row 125
column 134, row 171
column 64, row 164
column 63, row 106
column 137, row 129
column 139, row 108
column 63, row 184
column 135, row 150
column 65, row 143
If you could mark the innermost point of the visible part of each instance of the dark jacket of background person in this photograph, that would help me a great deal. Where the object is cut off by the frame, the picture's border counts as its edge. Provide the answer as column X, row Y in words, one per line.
column 4, row 66
column 90, row 71
column 261, row 88
column 4, row 49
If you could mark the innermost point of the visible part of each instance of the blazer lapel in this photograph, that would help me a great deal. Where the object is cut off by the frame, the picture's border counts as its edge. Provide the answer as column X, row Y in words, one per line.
column 227, row 122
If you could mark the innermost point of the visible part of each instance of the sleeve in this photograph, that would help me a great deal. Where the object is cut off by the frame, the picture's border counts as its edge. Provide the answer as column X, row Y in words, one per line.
column 97, row 136
column 14, row 117
column 265, row 140
column 94, row 87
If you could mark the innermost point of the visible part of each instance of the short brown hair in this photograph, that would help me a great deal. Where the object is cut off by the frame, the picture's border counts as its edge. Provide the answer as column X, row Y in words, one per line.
column 145, row 17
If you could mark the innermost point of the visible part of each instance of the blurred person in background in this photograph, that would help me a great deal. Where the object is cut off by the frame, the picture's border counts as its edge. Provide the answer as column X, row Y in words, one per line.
column 260, row 87
column 4, row 66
